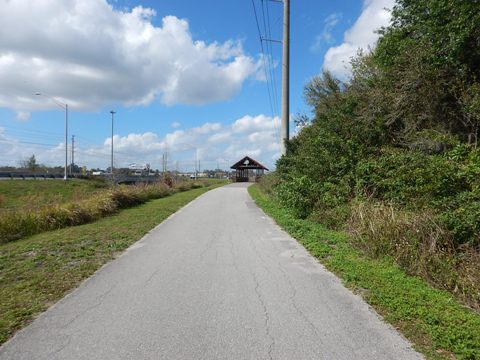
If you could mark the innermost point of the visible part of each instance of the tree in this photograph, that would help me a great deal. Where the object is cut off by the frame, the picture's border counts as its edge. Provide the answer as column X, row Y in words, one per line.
column 30, row 163
column 430, row 56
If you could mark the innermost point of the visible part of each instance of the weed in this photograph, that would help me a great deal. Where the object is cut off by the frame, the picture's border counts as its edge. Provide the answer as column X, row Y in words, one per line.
column 419, row 245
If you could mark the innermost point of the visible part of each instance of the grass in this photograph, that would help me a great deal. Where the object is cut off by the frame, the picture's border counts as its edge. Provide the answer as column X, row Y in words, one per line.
column 431, row 319
column 18, row 222
column 36, row 272
column 38, row 193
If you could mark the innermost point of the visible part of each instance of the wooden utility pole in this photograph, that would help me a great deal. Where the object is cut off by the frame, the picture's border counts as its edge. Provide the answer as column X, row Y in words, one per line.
column 286, row 76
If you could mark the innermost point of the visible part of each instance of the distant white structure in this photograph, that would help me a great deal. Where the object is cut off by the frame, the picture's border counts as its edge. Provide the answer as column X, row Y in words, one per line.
column 139, row 170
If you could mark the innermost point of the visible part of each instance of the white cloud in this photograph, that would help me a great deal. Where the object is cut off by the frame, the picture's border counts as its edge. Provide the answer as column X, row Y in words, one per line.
column 248, row 124
column 175, row 125
column 361, row 35
column 250, row 135
column 214, row 142
column 89, row 54
column 22, row 115
column 326, row 36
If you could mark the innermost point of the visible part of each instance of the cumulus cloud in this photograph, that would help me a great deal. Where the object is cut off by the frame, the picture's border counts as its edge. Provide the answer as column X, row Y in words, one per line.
column 326, row 35
column 212, row 143
column 89, row 54
column 175, row 125
column 361, row 35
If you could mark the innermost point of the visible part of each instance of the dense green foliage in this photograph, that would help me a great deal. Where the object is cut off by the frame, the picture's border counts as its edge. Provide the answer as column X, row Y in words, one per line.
column 402, row 134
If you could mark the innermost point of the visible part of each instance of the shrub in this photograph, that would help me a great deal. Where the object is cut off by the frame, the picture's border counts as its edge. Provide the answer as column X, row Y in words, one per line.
column 197, row 185
column 408, row 177
column 268, row 182
column 183, row 186
column 297, row 195
column 461, row 216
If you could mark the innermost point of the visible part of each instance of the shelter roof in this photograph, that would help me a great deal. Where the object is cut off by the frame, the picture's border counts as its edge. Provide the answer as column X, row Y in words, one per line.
column 248, row 163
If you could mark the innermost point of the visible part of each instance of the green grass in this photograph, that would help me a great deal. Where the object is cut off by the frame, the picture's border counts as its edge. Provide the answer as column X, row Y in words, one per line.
column 50, row 213
column 431, row 319
column 39, row 193
column 36, row 272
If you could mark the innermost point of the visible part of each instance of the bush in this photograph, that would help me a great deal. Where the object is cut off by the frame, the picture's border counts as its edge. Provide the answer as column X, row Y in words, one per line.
column 410, row 178
column 268, row 182
column 461, row 216
column 297, row 195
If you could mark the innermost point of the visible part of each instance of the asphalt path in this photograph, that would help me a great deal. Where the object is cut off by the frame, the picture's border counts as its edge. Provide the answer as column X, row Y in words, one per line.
column 217, row 280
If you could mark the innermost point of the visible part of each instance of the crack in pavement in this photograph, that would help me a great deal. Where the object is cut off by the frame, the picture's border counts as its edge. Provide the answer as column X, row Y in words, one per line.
column 99, row 300
column 266, row 316
column 292, row 297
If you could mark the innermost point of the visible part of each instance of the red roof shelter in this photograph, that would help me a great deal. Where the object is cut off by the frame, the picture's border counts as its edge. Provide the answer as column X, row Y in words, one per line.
column 247, row 170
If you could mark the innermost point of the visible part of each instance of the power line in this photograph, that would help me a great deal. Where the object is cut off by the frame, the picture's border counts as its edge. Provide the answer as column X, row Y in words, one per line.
column 273, row 82
column 266, row 63
column 27, row 142
column 263, row 55
column 271, row 58
column 269, row 53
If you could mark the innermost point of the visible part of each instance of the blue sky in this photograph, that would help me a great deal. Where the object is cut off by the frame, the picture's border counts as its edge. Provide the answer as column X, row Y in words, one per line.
column 184, row 79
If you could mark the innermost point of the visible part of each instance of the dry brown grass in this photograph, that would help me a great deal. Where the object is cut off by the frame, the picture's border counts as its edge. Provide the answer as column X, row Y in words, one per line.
column 420, row 246
column 19, row 223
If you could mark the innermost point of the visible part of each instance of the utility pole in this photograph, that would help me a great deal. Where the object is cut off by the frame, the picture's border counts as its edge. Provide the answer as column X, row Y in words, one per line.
column 73, row 155
column 111, row 155
column 196, row 162
column 66, row 141
column 164, row 162
column 64, row 107
column 286, row 76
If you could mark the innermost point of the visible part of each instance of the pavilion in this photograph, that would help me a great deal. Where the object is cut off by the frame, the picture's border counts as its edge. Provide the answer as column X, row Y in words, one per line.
column 247, row 170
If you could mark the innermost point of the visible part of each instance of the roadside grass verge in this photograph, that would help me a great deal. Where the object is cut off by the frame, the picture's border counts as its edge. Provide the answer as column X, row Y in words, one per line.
column 36, row 272
column 25, row 194
column 18, row 223
column 431, row 319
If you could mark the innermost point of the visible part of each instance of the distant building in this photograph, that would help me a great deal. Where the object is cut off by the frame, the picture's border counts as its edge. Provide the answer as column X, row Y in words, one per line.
column 247, row 170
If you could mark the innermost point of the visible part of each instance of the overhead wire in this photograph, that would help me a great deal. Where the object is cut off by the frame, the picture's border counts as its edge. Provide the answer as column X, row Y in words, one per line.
column 266, row 64
column 263, row 57
column 271, row 58
column 273, row 81
column 27, row 142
